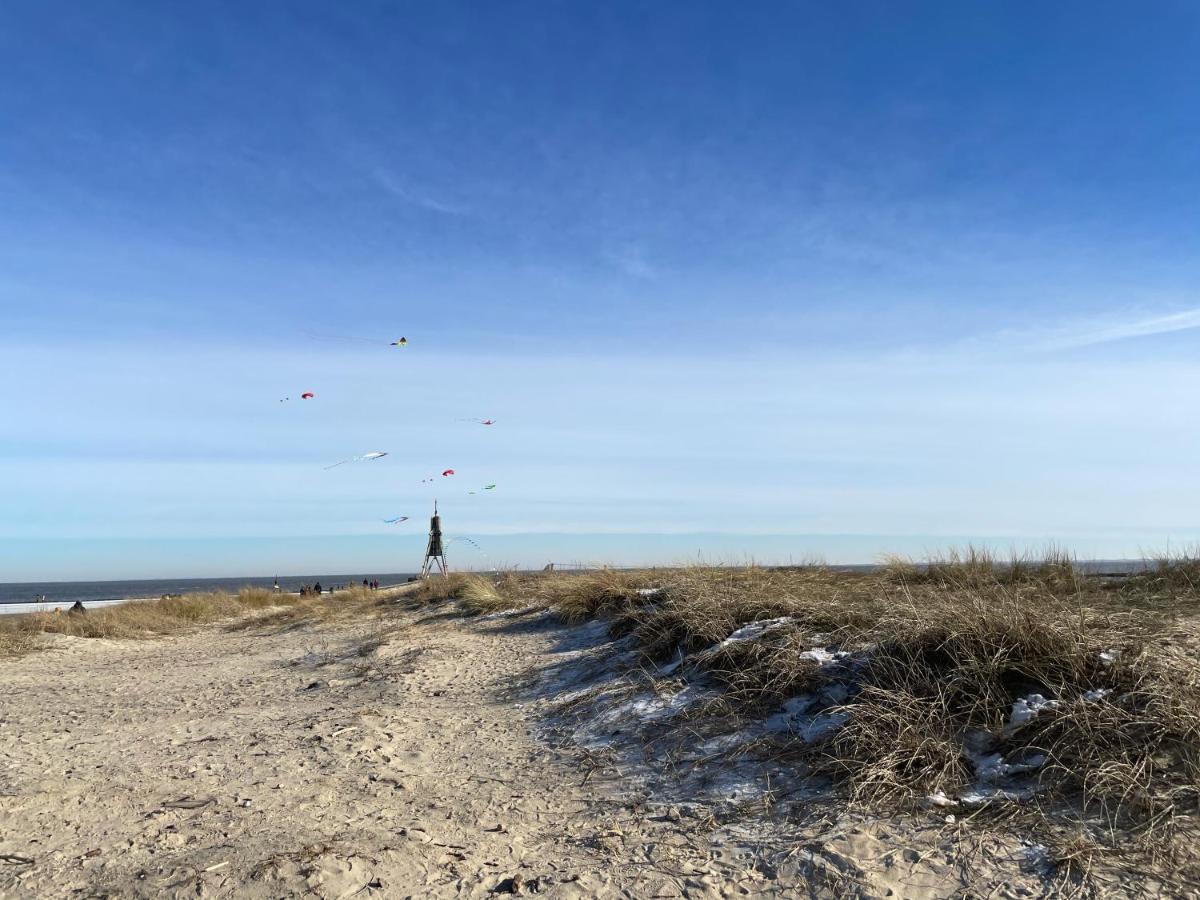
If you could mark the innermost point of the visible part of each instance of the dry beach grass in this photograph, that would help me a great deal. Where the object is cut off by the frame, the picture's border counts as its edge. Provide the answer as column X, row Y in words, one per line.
column 139, row 619
column 931, row 660
column 170, row 615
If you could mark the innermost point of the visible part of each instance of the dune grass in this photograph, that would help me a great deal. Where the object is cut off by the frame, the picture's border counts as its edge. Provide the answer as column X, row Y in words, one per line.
column 136, row 619
column 352, row 603
column 141, row 619
column 936, row 655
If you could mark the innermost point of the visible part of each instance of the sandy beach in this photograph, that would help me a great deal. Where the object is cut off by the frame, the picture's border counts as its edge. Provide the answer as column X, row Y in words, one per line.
column 365, row 759
column 309, row 761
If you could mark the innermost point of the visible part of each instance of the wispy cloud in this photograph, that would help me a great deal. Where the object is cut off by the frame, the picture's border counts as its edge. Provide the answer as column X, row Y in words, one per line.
column 396, row 186
column 1088, row 332
column 1081, row 332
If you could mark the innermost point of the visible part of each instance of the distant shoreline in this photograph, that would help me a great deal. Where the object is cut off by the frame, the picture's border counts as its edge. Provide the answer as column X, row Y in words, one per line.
column 28, row 594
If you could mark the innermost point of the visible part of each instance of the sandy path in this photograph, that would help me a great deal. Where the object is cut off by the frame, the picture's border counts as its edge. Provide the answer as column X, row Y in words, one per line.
column 379, row 759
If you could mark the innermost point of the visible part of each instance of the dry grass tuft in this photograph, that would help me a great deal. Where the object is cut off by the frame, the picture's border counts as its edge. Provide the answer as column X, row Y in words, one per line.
column 579, row 596
column 479, row 595
column 894, row 746
column 977, row 567
column 436, row 588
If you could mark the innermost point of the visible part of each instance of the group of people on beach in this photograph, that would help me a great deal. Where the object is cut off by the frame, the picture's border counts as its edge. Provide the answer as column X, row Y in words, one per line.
column 315, row 590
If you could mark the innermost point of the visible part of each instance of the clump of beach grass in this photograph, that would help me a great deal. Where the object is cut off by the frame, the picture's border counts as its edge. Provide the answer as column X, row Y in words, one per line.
column 579, row 596
column 981, row 567
column 479, row 595
column 574, row 596
column 436, row 588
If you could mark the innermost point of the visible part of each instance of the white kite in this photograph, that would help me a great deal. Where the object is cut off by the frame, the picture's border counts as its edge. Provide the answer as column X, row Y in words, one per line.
column 374, row 454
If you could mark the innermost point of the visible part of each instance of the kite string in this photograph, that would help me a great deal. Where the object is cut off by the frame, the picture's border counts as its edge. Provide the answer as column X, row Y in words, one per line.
column 339, row 337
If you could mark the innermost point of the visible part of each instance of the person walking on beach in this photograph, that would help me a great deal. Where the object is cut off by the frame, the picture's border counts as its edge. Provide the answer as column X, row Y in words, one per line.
column 317, row 589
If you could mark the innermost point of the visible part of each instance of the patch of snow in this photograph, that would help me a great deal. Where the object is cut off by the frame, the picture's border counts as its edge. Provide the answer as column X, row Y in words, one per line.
column 835, row 693
column 821, row 656
column 1108, row 657
column 795, row 720
column 756, row 630
column 822, row 725
column 939, row 798
column 992, row 767
column 1027, row 708
column 521, row 611
column 671, row 667
column 649, row 592
column 1098, row 694
column 979, row 795
column 1029, row 763
column 579, row 693
column 585, row 637
column 797, row 706
column 793, row 715
column 634, row 713
column 989, row 767
column 725, row 742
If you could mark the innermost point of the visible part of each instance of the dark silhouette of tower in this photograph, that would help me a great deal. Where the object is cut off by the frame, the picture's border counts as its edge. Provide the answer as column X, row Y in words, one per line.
column 435, row 553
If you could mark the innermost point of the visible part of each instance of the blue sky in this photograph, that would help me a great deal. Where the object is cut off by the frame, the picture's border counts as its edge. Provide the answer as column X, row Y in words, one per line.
column 782, row 281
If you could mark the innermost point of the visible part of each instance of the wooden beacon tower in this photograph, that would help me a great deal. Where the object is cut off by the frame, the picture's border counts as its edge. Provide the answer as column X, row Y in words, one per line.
column 435, row 551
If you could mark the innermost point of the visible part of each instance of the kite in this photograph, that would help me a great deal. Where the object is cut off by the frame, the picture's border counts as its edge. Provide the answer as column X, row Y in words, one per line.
column 403, row 342
column 396, row 521
column 489, row 487
column 374, row 454
column 481, row 551
column 307, row 395
column 447, row 472
column 480, row 421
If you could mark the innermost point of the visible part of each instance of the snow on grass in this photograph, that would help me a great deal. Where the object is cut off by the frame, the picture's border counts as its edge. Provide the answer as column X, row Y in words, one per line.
column 601, row 697
column 1025, row 709
column 755, row 630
